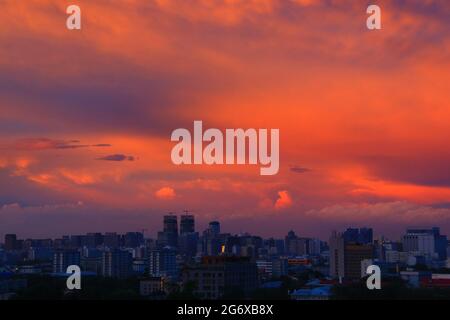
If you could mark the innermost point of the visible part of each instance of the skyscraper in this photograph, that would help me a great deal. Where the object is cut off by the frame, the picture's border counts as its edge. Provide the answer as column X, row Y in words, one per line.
column 117, row 263
column 169, row 235
column 355, row 235
column 170, row 224
column 336, row 244
column 346, row 257
column 425, row 241
column 162, row 262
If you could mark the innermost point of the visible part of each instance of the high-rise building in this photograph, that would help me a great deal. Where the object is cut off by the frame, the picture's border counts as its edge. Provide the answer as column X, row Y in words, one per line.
column 439, row 241
column 354, row 254
column 314, row 247
column 187, row 224
column 214, row 228
column 169, row 235
column 10, row 242
column 289, row 242
column 365, row 235
column 337, row 245
column 64, row 258
column 170, row 223
column 346, row 257
column 117, row 263
column 162, row 263
column 425, row 242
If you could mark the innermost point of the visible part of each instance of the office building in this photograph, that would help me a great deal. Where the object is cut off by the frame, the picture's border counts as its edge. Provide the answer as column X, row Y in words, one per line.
column 169, row 235
column 163, row 263
column 346, row 257
column 117, row 263
column 64, row 258
column 187, row 224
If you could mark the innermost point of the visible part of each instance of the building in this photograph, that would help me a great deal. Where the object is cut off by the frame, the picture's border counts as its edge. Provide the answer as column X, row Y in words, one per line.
column 362, row 235
column 93, row 240
column 40, row 254
column 169, row 235
column 436, row 281
column 275, row 267
column 337, row 263
column 151, row 286
column 318, row 293
column 392, row 256
column 214, row 228
column 345, row 258
column 187, row 243
column 216, row 276
column 187, row 224
column 314, row 247
column 10, row 242
column 63, row 258
column 354, row 254
column 133, row 239
column 427, row 242
column 163, row 263
column 117, row 263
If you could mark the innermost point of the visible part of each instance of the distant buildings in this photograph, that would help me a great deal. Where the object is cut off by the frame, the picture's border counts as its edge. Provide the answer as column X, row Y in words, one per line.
column 425, row 242
column 151, row 286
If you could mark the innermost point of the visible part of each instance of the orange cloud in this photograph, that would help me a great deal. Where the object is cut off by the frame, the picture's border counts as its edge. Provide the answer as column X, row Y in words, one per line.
column 284, row 200
column 165, row 193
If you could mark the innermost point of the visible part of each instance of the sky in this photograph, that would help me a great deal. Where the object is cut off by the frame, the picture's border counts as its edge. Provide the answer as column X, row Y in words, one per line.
column 86, row 115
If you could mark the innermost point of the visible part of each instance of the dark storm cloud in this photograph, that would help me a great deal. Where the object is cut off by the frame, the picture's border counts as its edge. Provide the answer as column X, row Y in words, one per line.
column 117, row 157
column 423, row 169
column 46, row 144
column 299, row 169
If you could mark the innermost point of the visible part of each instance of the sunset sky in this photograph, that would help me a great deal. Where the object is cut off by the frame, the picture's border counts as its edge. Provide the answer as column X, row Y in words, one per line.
column 86, row 116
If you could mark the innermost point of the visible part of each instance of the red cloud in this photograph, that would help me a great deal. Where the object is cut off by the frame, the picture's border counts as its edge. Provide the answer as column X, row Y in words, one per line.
column 284, row 200
column 165, row 193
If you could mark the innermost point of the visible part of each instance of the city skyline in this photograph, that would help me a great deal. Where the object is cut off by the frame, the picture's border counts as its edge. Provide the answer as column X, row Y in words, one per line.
column 215, row 264
column 205, row 225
